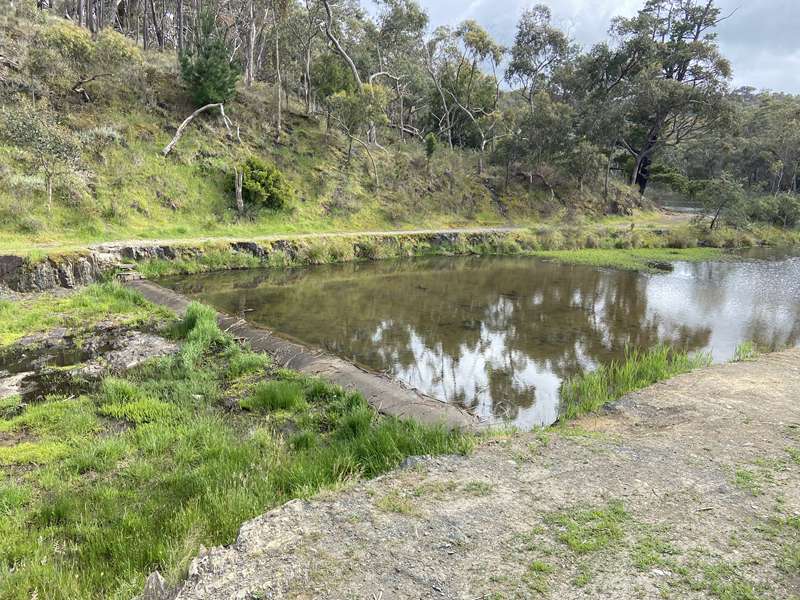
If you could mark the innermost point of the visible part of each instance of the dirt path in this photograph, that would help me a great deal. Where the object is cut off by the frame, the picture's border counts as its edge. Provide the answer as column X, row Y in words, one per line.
column 689, row 489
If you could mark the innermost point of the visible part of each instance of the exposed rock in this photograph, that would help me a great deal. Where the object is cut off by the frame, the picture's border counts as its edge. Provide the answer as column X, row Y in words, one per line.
column 155, row 588
column 9, row 264
column 34, row 366
column 55, row 272
column 412, row 461
column 11, row 385
column 250, row 248
column 130, row 349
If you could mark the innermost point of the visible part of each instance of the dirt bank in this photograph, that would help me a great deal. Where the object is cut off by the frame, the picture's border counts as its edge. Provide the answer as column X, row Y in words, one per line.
column 689, row 489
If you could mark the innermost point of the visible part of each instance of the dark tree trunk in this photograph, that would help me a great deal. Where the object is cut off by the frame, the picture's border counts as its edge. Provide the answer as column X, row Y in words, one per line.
column 643, row 174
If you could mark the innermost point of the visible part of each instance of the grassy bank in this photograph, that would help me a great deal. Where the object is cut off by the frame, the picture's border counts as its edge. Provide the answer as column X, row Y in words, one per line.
column 589, row 392
column 595, row 246
column 97, row 491
column 91, row 305
column 639, row 259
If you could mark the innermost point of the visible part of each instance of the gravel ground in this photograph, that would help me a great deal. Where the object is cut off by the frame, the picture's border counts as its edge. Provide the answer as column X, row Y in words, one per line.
column 689, row 489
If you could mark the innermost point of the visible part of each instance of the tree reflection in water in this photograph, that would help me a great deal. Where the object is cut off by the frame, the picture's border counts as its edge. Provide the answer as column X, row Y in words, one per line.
column 499, row 335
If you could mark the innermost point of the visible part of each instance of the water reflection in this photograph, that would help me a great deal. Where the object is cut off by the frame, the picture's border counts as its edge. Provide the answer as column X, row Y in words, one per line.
column 498, row 335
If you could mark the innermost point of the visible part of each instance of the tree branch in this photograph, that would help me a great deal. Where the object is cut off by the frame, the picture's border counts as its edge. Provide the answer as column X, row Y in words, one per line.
column 168, row 148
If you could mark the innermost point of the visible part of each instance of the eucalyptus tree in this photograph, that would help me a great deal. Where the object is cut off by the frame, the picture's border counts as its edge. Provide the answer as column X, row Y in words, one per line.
column 539, row 50
column 668, row 70
column 398, row 40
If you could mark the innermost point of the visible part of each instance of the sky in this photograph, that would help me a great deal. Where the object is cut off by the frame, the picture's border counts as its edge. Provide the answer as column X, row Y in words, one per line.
column 761, row 38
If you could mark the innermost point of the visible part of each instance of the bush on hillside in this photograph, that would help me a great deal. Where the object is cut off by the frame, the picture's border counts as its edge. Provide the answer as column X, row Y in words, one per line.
column 264, row 185
column 207, row 68
column 65, row 59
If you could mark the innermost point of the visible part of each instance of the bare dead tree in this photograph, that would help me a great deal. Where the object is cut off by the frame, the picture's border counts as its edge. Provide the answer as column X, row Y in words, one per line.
column 168, row 148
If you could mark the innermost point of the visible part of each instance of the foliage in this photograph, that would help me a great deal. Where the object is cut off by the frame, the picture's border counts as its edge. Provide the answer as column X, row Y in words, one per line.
column 67, row 58
column 355, row 110
column 565, row 139
column 264, row 186
column 206, row 67
column 329, row 75
column 721, row 197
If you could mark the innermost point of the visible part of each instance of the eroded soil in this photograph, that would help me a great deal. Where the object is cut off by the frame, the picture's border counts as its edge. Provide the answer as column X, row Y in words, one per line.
column 689, row 489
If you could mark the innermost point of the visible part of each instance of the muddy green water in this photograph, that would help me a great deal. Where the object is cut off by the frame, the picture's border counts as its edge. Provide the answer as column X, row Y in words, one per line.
column 499, row 335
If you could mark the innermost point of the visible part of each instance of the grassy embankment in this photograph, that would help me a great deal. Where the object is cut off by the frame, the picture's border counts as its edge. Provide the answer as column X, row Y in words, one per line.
column 123, row 188
column 98, row 490
column 594, row 246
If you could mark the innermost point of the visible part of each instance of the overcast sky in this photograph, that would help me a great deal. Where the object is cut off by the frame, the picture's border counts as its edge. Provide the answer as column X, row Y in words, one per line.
column 761, row 39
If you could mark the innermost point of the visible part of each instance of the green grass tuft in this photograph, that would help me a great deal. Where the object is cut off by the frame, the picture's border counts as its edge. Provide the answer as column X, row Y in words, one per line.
column 745, row 351
column 589, row 392
column 142, row 411
column 275, row 395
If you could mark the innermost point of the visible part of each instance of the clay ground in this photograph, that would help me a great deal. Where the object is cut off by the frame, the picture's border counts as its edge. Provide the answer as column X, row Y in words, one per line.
column 689, row 489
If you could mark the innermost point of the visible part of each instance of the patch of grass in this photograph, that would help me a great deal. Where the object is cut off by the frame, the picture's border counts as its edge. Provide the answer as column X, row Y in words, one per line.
column 33, row 453
column 212, row 259
column 589, row 392
column 397, row 503
column 436, row 489
column 537, row 577
column 242, row 362
column 591, row 529
column 478, row 488
column 747, row 480
column 275, row 395
column 583, row 577
column 10, row 406
column 146, row 410
column 90, row 305
column 725, row 581
column 13, row 497
column 62, row 418
column 789, row 562
column 92, row 505
column 651, row 551
column 640, row 259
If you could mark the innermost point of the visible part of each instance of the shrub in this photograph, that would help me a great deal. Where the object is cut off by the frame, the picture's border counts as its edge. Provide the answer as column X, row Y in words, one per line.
column 264, row 186
column 207, row 68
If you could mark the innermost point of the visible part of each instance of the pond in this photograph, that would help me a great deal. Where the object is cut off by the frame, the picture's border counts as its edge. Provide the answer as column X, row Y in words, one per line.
column 498, row 335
